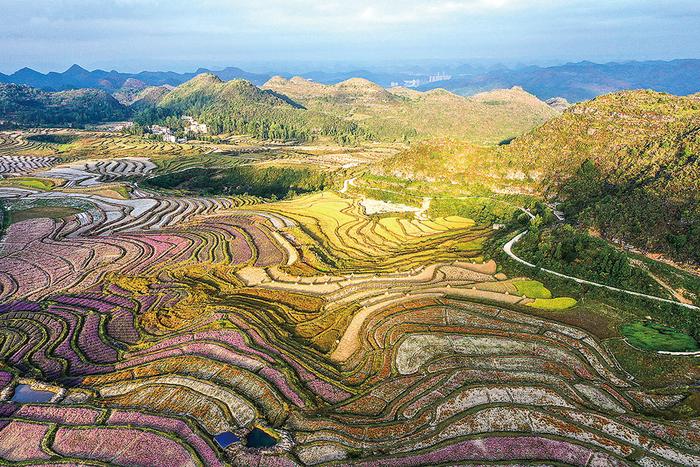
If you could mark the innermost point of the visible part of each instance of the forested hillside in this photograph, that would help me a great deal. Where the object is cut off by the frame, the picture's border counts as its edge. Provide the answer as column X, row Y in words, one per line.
column 240, row 107
column 293, row 110
column 25, row 105
column 625, row 165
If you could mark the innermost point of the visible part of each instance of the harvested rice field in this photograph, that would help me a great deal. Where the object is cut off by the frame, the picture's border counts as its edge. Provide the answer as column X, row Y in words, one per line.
column 142, row 326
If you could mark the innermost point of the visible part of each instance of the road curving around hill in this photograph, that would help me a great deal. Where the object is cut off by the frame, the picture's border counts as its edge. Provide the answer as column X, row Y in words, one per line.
column 508, row 248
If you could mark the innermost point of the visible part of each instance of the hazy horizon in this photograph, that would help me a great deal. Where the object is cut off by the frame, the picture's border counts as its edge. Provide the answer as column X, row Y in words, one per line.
column 301, row 35
column 419, row 66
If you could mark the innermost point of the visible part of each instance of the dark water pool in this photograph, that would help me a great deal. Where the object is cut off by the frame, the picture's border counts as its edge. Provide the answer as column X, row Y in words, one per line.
column 226, row 439
column 25, row 394
column 258, row 438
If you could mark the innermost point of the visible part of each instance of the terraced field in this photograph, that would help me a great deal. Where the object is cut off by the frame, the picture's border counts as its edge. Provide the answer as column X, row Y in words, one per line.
column 17, row 143
column 14, row 156
column 157, row 323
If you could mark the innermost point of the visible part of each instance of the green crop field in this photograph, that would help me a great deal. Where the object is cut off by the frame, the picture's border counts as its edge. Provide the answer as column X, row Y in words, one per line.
column 652, row 336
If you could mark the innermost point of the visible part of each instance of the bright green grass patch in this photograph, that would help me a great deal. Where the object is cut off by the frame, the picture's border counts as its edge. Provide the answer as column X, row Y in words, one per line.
column 560, row 303
column 532, row 289
column 654, row 336
column 123, row 191
column 29, row 182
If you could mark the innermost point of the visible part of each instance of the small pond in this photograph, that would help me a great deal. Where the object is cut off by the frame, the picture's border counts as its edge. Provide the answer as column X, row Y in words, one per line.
column 25, row 394
column 258, row 438
column 226, row 439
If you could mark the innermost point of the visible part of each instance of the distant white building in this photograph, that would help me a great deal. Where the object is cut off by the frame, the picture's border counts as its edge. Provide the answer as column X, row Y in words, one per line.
column 439, row 77
column 160, row 130
column 166, row 133
column 412, row 83
column 192, row 126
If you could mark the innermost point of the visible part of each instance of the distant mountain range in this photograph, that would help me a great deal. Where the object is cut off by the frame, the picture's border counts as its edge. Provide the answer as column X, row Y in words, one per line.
column 574, row 81
column 582, row 81
column 77, row 77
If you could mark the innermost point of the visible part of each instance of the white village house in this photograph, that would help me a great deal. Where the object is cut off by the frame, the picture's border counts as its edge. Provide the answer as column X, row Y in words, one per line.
column 192, row 126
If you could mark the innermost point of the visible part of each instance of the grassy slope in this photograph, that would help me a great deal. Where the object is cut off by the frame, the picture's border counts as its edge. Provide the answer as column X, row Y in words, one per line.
column 457, row 164
column 653, row 336
column 207, row 90
column 488, row 118
column 630, row 135
column 612, row 131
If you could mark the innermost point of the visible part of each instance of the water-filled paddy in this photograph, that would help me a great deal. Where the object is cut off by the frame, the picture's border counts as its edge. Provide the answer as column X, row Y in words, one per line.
column 25, row 394
column 258, row 438
column 226, row 439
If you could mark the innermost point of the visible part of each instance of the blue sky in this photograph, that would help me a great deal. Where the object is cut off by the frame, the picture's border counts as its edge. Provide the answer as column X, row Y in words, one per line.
column 132, row 35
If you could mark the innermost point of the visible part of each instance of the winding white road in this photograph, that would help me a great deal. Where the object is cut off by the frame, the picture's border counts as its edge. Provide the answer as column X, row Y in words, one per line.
column 508, row 248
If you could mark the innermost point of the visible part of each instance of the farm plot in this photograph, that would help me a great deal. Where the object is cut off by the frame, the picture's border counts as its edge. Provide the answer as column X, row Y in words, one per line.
column 336, row 230
column 91, row 173
column 40, row 257
column 24, row 164
column 447, row 381
column 168, row 157
column 72, row 434
column 19, row 143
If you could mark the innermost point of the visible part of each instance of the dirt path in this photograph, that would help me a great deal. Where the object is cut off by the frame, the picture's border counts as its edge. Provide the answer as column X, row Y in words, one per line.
column 676, row 293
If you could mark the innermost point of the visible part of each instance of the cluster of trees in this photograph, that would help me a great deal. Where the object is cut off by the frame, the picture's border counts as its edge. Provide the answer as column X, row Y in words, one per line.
column 28, row 106
column 483, row 210
column 261, row 128
column 135, row 130
column 633, row 211
column 265, row 182
column 565, row 249
column 53, row 138
column 265, row 123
